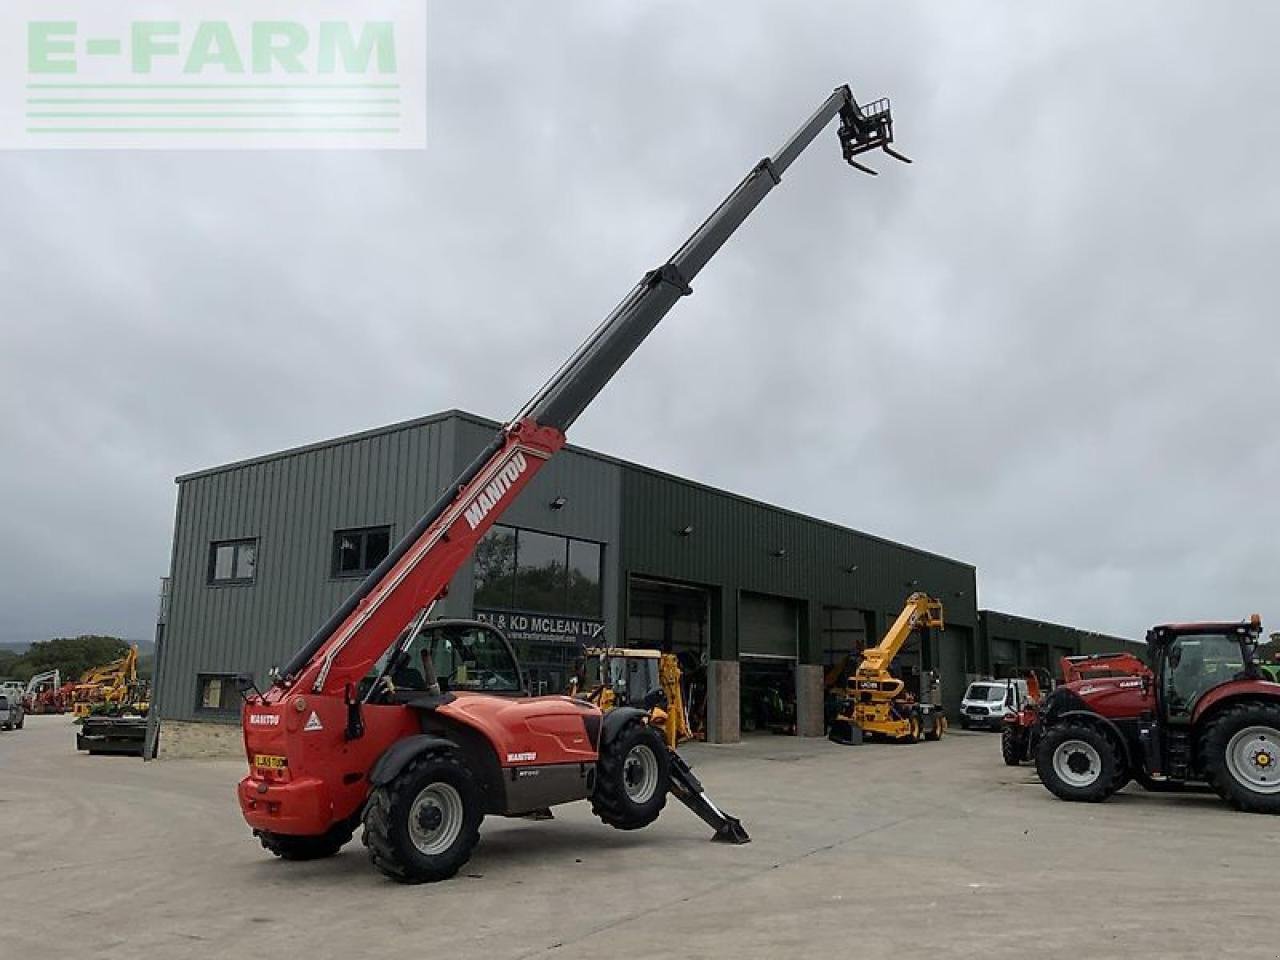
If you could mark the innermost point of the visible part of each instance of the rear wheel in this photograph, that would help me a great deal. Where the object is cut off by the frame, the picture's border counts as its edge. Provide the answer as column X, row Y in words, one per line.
column 632, row 778
column 290, row 847
column 422, row 826
column 1078, row 762
column 937, row 726
column 1013, row 745
column 1241, row 752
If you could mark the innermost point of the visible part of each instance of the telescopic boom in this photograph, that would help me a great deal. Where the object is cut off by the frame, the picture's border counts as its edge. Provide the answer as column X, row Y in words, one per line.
column 417, row 571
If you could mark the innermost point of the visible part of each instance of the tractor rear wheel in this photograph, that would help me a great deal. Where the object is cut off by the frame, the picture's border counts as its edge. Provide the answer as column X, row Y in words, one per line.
column 1241, row 755
column 422, row 826
column 1013, row 745
column 1078, row 762
column 290, row 847
column 632, row 778
column 936, row 727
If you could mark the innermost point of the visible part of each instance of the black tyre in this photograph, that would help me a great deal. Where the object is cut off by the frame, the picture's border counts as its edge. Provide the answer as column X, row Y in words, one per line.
column 291, row 847
column 632, row 778
column 1013, row 745
column 1240, row 751
column 422, row 826
column 935, row 726
column 21, row 721
column 964, row 723
column 1078, row 762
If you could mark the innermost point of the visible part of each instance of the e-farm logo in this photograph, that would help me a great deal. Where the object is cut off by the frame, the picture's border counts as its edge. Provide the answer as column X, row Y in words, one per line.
column 194, row 74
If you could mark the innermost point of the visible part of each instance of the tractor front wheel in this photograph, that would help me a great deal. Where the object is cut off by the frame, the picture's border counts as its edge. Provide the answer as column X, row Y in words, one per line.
column 1241, row 754
column 632, row 778
column 1078, row 762
column 1013, row 745
column 422, row 826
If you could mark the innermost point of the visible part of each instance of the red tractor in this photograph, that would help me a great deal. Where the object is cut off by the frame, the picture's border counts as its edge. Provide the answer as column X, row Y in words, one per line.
column 419, row 729
column 1204, row 712
column 1020, row 730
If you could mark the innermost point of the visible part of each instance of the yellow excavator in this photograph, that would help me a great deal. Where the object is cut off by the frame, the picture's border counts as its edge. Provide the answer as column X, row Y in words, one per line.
column 648, row 679
column 876, row 704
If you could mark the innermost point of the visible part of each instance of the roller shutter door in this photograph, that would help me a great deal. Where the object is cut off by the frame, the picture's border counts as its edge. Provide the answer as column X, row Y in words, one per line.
column 952, row 669
column 767, row 626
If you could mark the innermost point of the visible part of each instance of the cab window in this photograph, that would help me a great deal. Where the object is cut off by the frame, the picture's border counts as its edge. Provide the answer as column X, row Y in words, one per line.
column 456, row 657
column 1197, row 663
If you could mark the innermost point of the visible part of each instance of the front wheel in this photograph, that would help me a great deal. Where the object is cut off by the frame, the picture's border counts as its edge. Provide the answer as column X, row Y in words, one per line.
column 632, row 778
column 422, row 826
column 1078, row 762
column 1241, row 753
column 1013, row 745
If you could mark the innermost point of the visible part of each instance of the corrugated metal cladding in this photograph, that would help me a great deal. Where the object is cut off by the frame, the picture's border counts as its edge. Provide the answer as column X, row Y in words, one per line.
column 741, row 545
column 291, row 503
column 1008, row 640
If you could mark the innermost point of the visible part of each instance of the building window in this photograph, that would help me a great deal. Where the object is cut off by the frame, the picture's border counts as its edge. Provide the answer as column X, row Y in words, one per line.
column 217, row 693
column 538, row 573
column 233, row 561
column 357, row 552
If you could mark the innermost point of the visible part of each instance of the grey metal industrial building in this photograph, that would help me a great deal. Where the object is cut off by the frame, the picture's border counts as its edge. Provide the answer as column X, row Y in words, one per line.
column 766, row 598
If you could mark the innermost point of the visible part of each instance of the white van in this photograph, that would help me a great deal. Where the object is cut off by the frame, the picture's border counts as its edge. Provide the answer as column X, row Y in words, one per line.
column 987, row 702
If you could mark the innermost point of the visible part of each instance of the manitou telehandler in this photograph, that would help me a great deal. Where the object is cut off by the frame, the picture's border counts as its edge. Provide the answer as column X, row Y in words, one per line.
column 421, row 730
column 877, row 705
column 1203, row 712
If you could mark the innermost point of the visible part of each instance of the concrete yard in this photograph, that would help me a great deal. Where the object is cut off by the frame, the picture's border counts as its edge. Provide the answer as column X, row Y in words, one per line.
column 936, row 850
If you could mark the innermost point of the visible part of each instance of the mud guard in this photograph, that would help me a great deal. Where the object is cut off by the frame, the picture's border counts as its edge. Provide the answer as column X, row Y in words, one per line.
column 686, row 788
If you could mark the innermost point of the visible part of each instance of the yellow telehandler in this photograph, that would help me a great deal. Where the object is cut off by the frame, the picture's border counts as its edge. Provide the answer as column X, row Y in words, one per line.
column 876, row 704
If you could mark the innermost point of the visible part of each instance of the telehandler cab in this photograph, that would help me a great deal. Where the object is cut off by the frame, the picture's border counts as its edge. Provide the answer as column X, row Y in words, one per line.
column 1204, row 712
column 420, row 732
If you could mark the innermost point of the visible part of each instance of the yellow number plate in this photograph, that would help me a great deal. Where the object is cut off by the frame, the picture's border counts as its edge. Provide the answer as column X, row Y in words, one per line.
column 274, row 763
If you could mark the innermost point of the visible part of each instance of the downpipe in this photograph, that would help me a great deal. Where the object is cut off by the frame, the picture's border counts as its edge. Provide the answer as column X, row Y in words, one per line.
column 686, row 788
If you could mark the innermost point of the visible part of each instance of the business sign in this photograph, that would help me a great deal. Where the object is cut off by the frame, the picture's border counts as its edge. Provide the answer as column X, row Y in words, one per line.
column 542, row 628
column 222, row 74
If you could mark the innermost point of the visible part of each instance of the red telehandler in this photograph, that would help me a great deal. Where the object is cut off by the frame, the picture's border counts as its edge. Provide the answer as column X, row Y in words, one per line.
column 419, row 728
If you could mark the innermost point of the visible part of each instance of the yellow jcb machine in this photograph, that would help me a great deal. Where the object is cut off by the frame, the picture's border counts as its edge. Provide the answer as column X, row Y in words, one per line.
column 648, row 679
column 113, row 685
column 876, row 704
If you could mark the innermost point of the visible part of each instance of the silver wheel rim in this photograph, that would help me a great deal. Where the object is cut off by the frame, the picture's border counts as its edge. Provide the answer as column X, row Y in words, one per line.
column 1253, row 758
column 435, row 819
column 1077, row 763
column 640, row 773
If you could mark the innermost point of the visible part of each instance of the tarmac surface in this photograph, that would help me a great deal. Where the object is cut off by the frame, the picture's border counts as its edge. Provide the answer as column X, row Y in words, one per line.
column 933, row 850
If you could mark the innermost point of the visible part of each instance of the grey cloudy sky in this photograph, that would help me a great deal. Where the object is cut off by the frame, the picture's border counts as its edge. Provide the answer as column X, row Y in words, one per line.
column 1048, row 348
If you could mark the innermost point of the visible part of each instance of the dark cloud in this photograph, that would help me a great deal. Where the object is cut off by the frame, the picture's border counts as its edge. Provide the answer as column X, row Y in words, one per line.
column 1047, row 348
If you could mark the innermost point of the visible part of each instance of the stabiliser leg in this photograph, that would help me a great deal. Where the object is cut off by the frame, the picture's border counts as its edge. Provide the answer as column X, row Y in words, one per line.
column 686, row 788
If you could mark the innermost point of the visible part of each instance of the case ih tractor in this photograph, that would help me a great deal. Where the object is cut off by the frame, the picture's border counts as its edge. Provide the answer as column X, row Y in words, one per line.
column 1203, row 712
column 419, row 728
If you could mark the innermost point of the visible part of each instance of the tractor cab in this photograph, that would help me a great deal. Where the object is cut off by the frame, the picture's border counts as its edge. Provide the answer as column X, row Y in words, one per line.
column 620, row 677
column 1192, row 660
